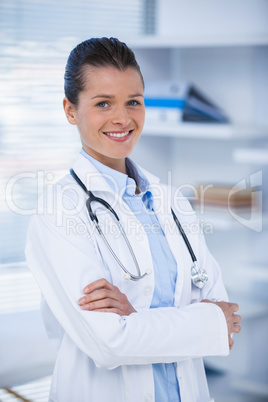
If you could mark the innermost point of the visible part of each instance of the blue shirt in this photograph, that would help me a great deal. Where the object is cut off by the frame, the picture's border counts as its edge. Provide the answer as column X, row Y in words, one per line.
column 165, row 267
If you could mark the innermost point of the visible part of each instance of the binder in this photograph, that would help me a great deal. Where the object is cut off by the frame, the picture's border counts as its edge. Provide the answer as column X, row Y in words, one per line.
column 179, row 101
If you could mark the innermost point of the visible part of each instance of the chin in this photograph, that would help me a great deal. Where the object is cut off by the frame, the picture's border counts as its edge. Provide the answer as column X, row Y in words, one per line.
column 121, row 155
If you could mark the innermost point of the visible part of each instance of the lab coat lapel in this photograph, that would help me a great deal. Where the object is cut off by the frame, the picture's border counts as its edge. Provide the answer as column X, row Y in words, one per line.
column 162, row 196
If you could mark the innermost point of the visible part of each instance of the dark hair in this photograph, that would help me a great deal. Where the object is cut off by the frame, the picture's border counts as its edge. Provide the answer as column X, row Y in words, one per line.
column 96, row 52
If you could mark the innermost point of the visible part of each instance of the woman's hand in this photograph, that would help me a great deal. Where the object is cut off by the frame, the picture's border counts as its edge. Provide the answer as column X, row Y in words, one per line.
column 232, row 319
column 102, row 296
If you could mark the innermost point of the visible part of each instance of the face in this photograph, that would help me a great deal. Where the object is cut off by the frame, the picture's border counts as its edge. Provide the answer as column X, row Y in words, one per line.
column 110, row 114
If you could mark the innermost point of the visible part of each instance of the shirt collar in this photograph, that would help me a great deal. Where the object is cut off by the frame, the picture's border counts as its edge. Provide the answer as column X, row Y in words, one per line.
column 119, row 182
column 94, row 180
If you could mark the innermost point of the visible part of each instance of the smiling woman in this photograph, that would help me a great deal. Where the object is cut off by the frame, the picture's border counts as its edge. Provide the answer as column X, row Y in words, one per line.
column 109, row 114
column 133, row 334
column 104, row 98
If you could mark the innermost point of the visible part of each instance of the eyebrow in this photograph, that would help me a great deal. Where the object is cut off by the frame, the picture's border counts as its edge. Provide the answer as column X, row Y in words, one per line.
column 111, row 96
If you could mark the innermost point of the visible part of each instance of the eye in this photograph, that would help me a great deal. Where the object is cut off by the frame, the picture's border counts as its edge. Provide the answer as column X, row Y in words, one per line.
column 133, row 103
column 102, row 104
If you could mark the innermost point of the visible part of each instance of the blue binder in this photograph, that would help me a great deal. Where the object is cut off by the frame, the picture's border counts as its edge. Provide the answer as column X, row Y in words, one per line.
column 191, row 104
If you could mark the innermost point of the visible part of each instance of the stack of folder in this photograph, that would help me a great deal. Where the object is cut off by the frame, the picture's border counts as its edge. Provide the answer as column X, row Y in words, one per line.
column 173, row 101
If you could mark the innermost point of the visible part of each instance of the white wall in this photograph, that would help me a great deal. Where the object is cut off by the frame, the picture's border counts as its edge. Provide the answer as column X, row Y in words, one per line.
column 212, row 17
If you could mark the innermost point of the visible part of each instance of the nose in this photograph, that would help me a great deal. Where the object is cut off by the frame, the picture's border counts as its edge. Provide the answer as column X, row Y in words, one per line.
column 121, row 116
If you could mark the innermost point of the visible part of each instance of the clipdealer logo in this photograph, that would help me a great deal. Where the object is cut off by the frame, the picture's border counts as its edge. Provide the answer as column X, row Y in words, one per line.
column 42, row 182
column 255, row 219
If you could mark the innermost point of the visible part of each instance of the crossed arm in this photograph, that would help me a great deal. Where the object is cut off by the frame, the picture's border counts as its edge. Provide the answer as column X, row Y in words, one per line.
column 102, row 296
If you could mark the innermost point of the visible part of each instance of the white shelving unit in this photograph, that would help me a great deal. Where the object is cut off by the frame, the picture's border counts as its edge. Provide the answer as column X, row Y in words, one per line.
column 254, row 156
column 232, row 68
column 206, row 131
column 171, row 41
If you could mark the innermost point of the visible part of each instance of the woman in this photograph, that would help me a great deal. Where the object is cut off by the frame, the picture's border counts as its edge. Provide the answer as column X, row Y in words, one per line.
column 120, row 339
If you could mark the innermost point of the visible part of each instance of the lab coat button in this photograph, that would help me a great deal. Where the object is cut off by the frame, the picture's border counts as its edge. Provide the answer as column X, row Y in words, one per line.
column 148, row 398
column 147, row 290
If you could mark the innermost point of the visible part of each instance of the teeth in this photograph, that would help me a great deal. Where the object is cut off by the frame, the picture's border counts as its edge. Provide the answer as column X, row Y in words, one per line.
column 117, row 134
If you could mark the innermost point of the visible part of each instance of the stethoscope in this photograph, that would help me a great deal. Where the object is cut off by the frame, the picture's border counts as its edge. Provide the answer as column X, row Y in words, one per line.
column 199, row 276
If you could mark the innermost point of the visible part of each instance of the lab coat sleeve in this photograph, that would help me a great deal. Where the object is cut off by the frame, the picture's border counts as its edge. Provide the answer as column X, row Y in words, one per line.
column 63, row 261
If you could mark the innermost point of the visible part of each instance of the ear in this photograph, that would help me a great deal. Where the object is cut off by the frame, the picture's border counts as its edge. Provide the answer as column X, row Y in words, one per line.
column 69, row 110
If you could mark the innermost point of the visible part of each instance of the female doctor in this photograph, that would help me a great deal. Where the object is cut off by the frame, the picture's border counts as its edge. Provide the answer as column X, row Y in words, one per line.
column 127, row 320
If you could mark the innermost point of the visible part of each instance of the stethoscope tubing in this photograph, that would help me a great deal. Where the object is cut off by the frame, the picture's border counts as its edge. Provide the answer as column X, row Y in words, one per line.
column 127, row 275
column 94, row 219
column 199, row 276
column 185, row 238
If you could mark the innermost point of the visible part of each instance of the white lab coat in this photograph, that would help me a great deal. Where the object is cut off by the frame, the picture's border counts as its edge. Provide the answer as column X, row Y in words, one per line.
column 103, row 357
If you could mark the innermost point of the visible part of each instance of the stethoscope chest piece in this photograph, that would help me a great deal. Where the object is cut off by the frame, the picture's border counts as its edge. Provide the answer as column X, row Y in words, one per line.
column 199, row 276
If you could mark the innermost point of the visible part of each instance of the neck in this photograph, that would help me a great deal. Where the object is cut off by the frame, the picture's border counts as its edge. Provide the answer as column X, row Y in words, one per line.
column 116, row 164
column 119, row 165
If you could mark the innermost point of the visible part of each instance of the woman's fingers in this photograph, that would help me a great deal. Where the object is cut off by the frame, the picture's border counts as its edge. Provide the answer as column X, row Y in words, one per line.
column 98, row 295
column 237, row 318
column 100, row 300
column 96, row 290
column 102, row 296
column 98, row 284
column 236, row 328
column 101, row 304
column 100, row 290
column 233, row 320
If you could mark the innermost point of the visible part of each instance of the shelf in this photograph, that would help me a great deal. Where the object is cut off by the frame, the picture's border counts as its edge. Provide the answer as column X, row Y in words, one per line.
column 225, row 222
column 248, row 155
column 194, row 41
column 210, row 131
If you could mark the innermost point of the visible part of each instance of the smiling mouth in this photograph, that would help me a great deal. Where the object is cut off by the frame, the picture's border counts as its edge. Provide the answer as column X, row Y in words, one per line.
column 118, row 135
